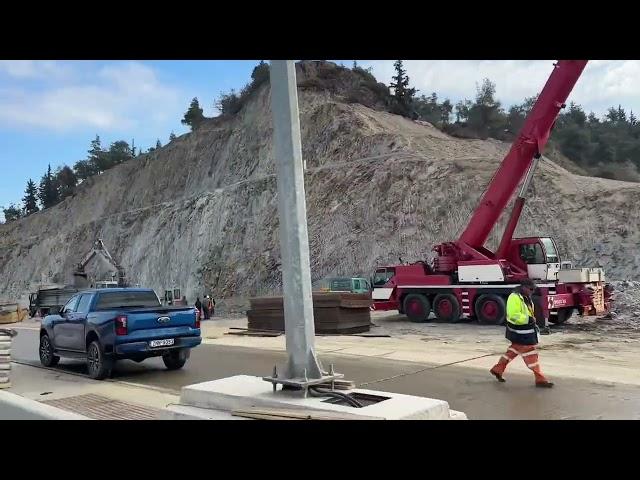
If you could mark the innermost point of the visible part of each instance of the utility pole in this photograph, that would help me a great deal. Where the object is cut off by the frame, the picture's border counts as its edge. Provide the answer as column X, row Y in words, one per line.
column 303, row 368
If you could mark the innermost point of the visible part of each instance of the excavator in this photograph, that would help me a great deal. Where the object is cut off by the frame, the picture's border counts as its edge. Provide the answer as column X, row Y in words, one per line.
column 49, row 298
column 100, row 249
column 466, row 279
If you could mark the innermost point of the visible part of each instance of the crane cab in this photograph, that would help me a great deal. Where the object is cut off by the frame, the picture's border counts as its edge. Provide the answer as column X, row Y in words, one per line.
column 538, row 256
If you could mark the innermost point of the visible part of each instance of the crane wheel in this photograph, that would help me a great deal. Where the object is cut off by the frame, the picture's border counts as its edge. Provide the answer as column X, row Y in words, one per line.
column 446, row 308
column 417, row 307
column 491, row 309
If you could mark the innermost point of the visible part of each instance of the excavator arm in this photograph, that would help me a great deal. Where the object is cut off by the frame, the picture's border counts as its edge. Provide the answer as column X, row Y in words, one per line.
column 99, row 249
column 530, row 143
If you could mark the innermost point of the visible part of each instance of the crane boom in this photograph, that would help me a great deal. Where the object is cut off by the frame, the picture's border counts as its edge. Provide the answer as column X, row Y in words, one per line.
column 530, row 141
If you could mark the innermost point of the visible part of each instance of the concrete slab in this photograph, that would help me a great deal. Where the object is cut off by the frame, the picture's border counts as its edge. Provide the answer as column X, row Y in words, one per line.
column 244, row 391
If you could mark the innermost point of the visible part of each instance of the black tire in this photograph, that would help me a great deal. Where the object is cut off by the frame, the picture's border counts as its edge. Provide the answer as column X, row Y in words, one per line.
column 491, row 309
column 45, row 349
column 416, row 307
column 563, row 315
column 99, row 365
column 447, row 308
column 176, row 359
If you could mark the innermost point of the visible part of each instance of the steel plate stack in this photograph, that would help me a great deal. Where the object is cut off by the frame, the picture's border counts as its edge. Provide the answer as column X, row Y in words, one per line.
column 333, row 313
column 5, row 357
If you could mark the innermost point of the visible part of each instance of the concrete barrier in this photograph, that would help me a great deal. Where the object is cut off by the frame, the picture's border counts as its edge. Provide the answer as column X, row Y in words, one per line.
column 15, row 407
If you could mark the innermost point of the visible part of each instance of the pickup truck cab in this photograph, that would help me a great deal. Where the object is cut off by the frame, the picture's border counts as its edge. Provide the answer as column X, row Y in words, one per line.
column 108, row 324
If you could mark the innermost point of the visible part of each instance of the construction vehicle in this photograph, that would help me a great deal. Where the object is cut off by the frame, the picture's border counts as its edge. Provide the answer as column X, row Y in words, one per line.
column 49, row 299
column 173, row 297
column 81, row 277
column 467, row 280
column 345, row 284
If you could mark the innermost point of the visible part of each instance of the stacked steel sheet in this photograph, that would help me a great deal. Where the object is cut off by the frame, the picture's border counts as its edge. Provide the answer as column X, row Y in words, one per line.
column 333, row 312
column 5, row 357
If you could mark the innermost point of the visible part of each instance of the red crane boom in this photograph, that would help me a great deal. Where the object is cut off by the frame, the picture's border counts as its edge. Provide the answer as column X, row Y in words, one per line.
column 530, row 141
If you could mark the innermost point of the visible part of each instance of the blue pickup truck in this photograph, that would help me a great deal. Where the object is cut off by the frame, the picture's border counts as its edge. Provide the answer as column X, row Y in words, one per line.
column 109, row 324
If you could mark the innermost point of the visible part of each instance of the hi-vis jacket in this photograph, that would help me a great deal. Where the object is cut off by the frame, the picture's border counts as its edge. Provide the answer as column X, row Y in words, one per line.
column 521, row 326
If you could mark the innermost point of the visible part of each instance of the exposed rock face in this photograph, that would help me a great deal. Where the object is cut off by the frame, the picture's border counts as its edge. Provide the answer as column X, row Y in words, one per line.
column 201, row 212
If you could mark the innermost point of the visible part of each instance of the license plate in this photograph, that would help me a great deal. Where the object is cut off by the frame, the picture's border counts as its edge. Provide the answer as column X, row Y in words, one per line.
column 162, row 343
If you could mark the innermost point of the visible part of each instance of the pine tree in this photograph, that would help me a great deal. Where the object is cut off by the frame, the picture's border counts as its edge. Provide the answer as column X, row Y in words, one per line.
column 118, row 152
column 194, row 116
column 158, row 144
column 400, row 85
column 11, row 213
column 260, row 74
column 30, row 199
column 632, row 118
column 402, row 94
column 172, row 136
column 98, row 159
column 48, row 190
column 66, row 180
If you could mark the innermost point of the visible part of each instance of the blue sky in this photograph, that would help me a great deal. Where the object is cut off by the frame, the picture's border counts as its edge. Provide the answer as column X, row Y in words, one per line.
column 51, row 110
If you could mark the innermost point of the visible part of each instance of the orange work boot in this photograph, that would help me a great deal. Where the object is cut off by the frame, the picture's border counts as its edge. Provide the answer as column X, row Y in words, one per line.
column 497, row 374
column 545, row 384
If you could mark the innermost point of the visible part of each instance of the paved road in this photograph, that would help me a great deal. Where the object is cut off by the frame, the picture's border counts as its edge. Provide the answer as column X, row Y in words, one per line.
column 466, row 389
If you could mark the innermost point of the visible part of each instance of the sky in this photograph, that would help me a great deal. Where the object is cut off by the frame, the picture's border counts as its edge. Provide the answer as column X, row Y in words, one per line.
column 51, row 110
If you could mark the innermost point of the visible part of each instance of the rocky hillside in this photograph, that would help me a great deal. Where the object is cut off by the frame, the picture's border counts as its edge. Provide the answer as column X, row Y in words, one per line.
column 201, row 212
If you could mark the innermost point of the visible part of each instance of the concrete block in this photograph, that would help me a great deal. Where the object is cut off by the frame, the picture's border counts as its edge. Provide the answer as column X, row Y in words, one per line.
column 16, row 407
column 243, row 391
column 455, row 415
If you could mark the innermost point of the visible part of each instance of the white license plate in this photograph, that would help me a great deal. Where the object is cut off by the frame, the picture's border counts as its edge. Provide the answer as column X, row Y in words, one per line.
column 162, row 343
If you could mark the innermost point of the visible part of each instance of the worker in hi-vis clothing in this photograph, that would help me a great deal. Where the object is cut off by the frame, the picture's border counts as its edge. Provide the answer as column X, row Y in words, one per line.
column 522, row 331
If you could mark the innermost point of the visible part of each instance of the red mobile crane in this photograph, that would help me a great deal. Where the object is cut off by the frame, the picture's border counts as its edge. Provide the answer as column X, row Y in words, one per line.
column 466, row 279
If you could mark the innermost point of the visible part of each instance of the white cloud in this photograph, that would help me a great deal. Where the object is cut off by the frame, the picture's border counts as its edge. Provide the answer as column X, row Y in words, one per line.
column 604, row 83
column 115, row 97
column 24, row 69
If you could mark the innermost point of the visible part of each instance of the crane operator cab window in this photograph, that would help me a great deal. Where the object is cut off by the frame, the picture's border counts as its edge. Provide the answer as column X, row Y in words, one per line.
column 542, row 259
column 382, row 276
column 532, row 254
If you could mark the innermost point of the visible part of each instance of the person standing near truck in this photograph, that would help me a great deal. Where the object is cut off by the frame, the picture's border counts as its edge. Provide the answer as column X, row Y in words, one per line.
column 205, row 307
column 522, row 331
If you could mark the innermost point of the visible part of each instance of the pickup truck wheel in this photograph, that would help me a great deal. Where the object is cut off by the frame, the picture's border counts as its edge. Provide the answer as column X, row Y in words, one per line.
column 47, row 358
column 176, row 359
column 98, row 365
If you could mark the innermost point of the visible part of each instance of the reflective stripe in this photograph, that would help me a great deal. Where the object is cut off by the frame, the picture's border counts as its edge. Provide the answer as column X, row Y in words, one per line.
column 533, row 365
column 533, row 352
column 524, row 332
column 513, row 351
column 506, row 358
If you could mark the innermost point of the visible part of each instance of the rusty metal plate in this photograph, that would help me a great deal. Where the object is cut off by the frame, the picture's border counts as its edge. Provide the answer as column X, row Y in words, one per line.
column 98, row 407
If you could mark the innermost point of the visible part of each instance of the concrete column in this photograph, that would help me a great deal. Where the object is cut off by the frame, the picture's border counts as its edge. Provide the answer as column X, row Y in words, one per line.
column 292, row 211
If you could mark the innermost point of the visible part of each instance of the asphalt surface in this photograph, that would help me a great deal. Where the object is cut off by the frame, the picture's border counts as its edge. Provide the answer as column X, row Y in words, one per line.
column 466, row 389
